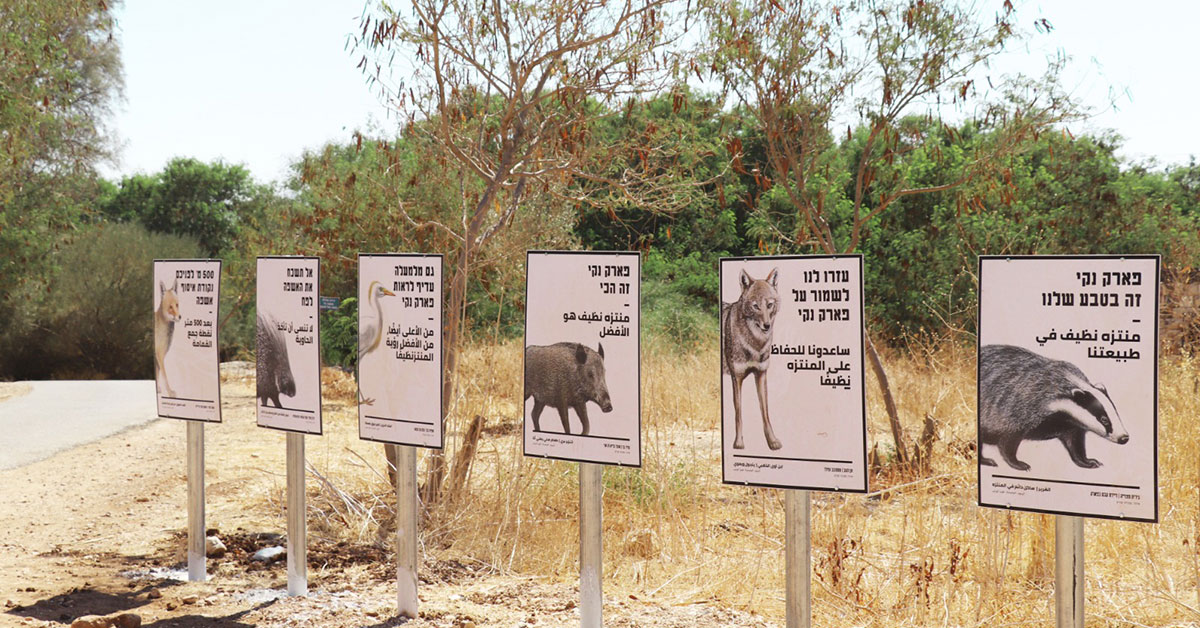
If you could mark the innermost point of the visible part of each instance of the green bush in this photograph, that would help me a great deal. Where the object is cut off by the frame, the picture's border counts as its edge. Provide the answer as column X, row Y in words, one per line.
column 339, row 335
column 91, row 317
column 669, row 315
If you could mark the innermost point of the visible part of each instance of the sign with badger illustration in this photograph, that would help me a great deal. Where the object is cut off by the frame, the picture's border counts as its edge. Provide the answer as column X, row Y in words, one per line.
column 400, row 349
column 287, row 344
column 583, row 357
column 792, row 326
column 186, row 362
column 1068, row 385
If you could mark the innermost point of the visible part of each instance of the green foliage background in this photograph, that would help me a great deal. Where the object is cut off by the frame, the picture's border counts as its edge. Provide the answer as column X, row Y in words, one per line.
column 75, row 249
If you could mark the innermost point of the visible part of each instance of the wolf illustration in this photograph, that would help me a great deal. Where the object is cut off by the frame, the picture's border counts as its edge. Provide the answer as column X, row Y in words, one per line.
column 746, row 332
column 164, row 329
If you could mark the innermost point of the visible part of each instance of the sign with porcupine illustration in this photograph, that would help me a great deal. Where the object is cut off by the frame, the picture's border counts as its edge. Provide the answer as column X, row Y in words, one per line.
column 288, row 344
column 186, row 362
column 1068, row 385
column 793, row 411
column 582, row 394
column 400, row 349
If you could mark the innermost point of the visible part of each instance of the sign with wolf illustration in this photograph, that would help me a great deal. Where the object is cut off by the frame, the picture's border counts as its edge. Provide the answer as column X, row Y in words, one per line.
column 400, row 349
column 793, row 411
column 288, row 344
column 1068, row 385
column 583, row 357
column 186, row 363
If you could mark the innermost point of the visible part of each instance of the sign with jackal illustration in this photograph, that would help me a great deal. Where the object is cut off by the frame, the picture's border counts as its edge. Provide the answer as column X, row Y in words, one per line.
column 583, row 357
column 186, row 361
column 288, row 344
column 793, row 405
column 1068, row 385
column 400, row 349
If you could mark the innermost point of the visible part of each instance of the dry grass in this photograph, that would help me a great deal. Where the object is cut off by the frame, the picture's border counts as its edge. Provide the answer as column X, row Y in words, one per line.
column 916, row 552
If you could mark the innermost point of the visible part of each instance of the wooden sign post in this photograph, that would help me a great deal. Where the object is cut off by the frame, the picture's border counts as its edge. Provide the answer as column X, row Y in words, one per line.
column 187, row 373
column 297, row 529
column 1068, row 397
column 197, row 554
column 288, row 382
column 797, row 524
column 793, row 325
column 399, row 369
column 583, row 356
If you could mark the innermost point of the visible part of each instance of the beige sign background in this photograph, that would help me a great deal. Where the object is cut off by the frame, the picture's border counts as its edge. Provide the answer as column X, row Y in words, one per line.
column 400, row 349
column 1068, row 392
column 288, row 366
column 590, row 301
column 799, row 321
column 187, row 369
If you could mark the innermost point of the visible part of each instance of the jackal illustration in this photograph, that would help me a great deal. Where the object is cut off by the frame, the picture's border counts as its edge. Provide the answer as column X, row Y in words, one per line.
column 164, row 329
column 746, row 346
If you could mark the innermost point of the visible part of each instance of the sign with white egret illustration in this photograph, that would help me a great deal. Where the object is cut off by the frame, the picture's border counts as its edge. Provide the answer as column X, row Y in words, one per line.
column 793, row 405
column 400, row 349
column 287, row 344
column 1068, row 385
column 582, row 391
column 186, row 362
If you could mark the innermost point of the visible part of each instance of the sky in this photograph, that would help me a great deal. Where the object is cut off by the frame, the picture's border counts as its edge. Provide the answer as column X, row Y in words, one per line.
column 258, row 82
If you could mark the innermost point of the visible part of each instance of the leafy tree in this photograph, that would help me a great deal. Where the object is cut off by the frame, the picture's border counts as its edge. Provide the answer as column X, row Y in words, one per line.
column 209, row 202
column 90, row 317
column 1064, row 195
column 797, row 68
column 510, row 93
column 60, row 70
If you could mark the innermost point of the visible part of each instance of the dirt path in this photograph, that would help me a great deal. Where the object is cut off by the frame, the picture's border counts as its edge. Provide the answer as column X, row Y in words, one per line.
column 99, row 529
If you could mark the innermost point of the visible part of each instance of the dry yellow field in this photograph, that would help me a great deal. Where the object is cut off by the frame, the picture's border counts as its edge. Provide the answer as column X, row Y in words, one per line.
column 916, row 551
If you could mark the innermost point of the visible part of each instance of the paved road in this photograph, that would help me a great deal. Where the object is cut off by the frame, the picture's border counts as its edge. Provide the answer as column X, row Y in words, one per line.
column 59, row 415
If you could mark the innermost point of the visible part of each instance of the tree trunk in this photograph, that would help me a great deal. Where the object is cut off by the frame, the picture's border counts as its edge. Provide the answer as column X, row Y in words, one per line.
column 431, row 492
column 888, row 402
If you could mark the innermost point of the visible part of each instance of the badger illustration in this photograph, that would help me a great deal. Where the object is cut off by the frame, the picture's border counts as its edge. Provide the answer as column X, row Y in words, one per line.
column 1025, row 396
column 274, row 371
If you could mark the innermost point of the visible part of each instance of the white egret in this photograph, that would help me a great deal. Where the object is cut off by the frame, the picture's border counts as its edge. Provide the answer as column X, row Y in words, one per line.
column 371, row 333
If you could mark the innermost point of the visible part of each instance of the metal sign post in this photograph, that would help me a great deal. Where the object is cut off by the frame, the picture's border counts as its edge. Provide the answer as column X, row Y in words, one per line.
column 591, row 557
column 1068, row 571
column 197, row 569
column 798, row 530
column 406, row 530
column 297, row 542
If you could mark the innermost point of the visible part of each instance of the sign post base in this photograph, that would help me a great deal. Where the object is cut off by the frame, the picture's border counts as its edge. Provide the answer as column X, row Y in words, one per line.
column 798, row 530
column 197, row 556
column 1068, row 571
column 591, row 569
column 406, row 531
column 297, row 537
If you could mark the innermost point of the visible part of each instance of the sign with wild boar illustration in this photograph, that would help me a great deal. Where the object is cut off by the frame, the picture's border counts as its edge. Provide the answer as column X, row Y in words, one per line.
column 793, row 411
column 400, row 349
column 288, row 344
column 1068, row 385
column 186, row 362
column 582, row 393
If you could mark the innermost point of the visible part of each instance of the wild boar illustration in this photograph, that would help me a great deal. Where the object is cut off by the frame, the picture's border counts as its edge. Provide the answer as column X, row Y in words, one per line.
column 566, row 375
column 274, row 372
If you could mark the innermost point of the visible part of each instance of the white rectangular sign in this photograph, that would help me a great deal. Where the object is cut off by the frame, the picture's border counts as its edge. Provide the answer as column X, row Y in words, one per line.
column 793, row 405
column 1068, row 385
column 186, row 362
column 583, row 357
column 400, row 349
column 288, row 344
